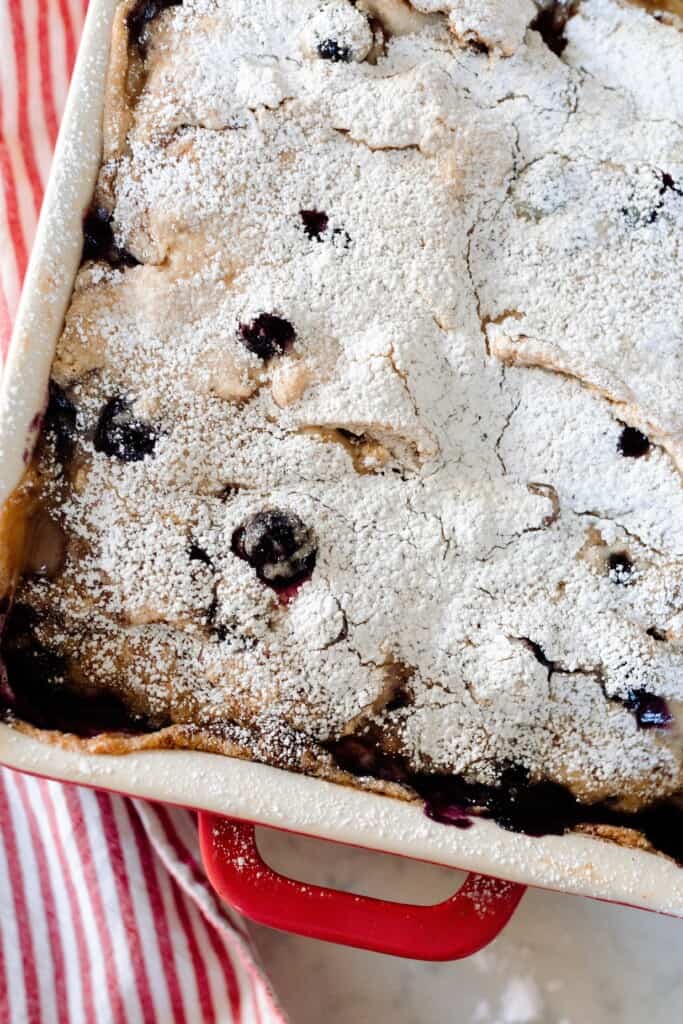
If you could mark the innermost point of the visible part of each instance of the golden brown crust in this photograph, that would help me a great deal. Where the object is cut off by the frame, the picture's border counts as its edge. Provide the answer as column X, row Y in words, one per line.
column 125, row 77
column 14, row 518
column 629, row 838
column 175, row 737
column 666, row 6
column 187, row 737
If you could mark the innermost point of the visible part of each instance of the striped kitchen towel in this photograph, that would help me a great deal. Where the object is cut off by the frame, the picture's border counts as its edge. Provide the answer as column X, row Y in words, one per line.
column 106, row 916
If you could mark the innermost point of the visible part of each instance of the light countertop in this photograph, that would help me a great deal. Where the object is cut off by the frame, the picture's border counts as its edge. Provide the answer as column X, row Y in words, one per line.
column 562, row 959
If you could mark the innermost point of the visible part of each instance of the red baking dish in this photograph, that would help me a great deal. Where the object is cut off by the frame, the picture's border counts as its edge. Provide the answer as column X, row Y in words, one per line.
column 233, row 795
column 451, row 930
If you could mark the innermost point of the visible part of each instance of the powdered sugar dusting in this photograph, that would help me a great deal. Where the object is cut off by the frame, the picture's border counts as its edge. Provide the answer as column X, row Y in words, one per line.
column 469, row 315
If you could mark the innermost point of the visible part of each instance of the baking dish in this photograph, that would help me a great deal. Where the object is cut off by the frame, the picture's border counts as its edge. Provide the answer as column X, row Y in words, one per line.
column 257, row 793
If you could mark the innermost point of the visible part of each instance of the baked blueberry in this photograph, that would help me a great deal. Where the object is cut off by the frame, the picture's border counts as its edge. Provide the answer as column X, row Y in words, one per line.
column 360, row 755
column 97, row 234
column 651, row 712
column 139, row 17
column 620, row 567
column 278, row 545
column 315, row 223
column 27, row 663
column 446, row 799
column 267, row 336
column 98, row 240
column 356, row 755
column 551, row 22
column 534, row 808
column 447, row 814
column 477, row 46
column 329, row 49
column 60, row 422
column 37, row 687
column 121, row 436
column 632, row 443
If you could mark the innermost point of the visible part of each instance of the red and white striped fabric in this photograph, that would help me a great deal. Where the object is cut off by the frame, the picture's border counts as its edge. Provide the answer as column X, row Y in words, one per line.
column 106, row 916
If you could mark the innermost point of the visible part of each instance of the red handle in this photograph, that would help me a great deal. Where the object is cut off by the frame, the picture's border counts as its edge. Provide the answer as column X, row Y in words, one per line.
column 456, row 928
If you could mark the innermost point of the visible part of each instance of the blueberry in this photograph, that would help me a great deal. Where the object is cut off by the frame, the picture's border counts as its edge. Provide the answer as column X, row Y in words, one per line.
column 632, row 443
column 477, row 46
column 119, row 435
column 651, row 712
column 267, row 336
column 98, row 237
column 534, row 808
column 515, row 802
column 98, row 240
column 278, row 545
column 620, row 567
column 329, row 49
column 447, row 813
column 315, row 223
column 60, row 422
column 356, row 755
column 141, row 15
column 551, row 22
column 28, row 664
column 360, row 755
column 37, row 688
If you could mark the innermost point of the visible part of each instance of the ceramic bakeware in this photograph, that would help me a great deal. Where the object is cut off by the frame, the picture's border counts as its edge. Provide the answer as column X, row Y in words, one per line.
column 223, row 788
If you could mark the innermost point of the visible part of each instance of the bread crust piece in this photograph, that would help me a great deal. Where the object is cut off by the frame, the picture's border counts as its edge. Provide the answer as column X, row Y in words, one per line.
column 469, row 513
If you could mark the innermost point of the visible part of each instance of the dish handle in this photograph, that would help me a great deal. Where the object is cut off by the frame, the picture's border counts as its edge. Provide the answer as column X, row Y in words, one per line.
column 456, row 928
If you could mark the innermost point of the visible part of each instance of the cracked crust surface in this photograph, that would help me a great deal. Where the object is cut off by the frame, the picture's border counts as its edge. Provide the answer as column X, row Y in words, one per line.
column 494, row 296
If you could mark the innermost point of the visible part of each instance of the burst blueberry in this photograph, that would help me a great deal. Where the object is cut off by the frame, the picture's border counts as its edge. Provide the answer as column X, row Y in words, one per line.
column 60, row 422
column 278, row 545
column 361, row 756
column 651, row 711
column 120, row 435
column 551, row 22
column 267, row 336
column 315, row 223
column 99, row 243
column 632, row 443
column 36, row 685
column 139, row 17
column 329, row 49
